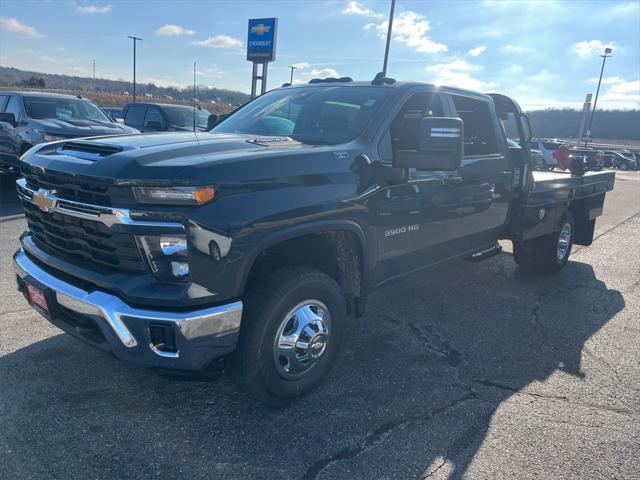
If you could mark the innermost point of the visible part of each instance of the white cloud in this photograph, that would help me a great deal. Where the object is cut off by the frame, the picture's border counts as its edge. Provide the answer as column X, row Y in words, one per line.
column 355, row 8
column 624, row 9
column 173, row 31
column 607, row 80
column 325, row 72
column 516, row 49
column 14, row 25
column 589, row 48
column 220, row 41
column 457, row 74
column 543, row 76
column 409, row 28
column 624, row 95
column 515, row 69
column 301, row 65
column 91, row 9
column 474, row 52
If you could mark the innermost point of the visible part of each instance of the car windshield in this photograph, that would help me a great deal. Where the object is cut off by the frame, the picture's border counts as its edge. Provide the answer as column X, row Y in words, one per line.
column 321, row 115
column 183, row 116
column 67, row 109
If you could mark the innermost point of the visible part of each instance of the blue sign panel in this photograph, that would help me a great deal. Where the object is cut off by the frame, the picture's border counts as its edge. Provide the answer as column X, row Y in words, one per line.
column 261, row 40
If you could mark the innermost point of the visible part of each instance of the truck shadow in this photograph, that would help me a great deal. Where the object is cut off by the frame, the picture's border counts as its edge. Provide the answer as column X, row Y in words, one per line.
column 419, row 380
column 9, row 203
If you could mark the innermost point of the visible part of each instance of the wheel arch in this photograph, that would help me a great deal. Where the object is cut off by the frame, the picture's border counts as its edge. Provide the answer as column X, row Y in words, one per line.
column 340, row 235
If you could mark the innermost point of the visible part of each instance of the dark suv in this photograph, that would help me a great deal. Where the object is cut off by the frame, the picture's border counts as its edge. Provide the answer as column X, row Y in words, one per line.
column 159, row 117
column 30, row 118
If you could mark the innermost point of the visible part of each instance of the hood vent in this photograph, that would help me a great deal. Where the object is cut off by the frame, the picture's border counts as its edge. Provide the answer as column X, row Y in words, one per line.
column 88, row 150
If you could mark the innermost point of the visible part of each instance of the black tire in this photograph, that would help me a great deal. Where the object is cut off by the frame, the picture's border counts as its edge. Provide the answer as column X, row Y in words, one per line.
column 543, row 255
column 267, row 305
column 623, row 166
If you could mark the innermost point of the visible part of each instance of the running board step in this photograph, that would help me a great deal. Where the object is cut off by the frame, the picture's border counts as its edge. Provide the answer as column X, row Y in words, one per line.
column 485, row 254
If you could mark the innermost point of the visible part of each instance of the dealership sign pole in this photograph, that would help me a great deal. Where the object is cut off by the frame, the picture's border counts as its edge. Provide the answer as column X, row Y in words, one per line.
column 261, row 49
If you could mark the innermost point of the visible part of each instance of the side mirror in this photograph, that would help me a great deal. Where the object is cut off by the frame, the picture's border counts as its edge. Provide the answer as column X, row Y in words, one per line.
column 439, row 148
column 8, row 118
column 154, row 125
column 212, row 121
column 525, row 124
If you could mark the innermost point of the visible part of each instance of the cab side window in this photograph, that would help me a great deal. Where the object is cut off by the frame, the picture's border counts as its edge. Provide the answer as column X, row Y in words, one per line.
column 135, row 115
column 153, row 119
column 13, row 107
column 405, row 128
column 3, row 101
column 479, row 132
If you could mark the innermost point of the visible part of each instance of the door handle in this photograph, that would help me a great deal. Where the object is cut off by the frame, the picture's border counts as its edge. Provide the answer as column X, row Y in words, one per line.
column 452, row 180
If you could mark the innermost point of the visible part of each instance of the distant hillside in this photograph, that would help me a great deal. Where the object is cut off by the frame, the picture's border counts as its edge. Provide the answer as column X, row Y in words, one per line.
column 13, row 77
column 565, row 123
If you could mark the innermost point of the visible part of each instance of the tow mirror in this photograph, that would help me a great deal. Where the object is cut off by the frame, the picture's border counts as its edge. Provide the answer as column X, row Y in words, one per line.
column 439, row 148
column 526, row 128
column 212, row 121
column 8, row 118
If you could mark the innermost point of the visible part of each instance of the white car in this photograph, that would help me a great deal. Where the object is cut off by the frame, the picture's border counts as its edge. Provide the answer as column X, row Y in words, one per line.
column 547, row 148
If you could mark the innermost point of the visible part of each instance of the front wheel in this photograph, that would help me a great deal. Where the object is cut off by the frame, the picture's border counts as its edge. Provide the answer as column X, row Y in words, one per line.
column 292, row 329
column 547, row 254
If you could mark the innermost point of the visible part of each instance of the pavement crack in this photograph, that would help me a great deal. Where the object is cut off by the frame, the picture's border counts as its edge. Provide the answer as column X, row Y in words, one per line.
column 559, row 398
column 380, row 433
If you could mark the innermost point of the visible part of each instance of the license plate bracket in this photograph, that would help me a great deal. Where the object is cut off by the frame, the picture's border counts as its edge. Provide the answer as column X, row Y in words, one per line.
column 37, row 298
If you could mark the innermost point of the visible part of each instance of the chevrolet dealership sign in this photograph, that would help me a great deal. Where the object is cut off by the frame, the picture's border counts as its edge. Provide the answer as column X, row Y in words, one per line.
column 261, row 40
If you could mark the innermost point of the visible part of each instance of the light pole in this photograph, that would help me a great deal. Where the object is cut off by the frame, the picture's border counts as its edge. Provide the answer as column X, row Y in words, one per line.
column 292, row 67
column 607, row 54
column 94, row 74
column 135, row 39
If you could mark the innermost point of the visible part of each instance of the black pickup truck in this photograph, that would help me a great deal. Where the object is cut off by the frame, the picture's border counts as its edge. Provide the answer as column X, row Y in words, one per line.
column 260, row 240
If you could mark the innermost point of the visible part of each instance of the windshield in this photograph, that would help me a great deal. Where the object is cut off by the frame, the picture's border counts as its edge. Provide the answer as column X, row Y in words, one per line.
column 183, row 116
column 67, row 109
column 323, row 115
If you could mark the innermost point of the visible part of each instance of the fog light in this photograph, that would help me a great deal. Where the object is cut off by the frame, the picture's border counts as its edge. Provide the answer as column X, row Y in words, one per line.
column 167, row 255
column 179, row 269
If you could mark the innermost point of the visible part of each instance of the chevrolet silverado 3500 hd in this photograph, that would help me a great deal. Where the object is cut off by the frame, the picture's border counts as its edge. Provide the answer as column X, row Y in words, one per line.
column 260, row 239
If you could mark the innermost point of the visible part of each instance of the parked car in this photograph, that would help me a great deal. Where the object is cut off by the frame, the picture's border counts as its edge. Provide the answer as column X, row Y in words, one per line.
column 536, row 156
column 31, row 118
column 620, row 160
column 113, row 112
column 159, row 117
column 261, row 241
column 547, row 148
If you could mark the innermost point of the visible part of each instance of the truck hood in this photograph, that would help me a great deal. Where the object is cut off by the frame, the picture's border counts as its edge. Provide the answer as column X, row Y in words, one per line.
column 80, row 128
column 176, row 157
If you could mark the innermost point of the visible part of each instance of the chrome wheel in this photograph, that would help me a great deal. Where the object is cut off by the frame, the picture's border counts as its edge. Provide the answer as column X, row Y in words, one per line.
column 301, row 339
column 564, row 240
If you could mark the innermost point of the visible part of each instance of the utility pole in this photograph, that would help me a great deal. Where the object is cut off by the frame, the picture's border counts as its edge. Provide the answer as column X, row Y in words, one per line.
column 292, row 69
column 135, row 39
column 386, row 50
column 194, row 96
column 94, row 74
column 607, row 54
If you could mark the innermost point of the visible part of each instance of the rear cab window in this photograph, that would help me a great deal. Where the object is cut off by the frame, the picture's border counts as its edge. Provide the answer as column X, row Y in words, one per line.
column 135, row 115
column 479, row 130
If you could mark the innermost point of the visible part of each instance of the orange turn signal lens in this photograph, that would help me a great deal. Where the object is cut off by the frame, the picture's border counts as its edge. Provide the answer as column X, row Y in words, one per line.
column 204, row 195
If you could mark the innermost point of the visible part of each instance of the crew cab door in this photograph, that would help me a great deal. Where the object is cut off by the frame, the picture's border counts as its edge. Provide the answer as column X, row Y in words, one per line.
column 486, row 173
column 9, row 134
column 415, row 212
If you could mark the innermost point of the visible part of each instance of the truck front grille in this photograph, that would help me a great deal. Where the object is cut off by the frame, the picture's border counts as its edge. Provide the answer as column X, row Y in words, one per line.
column 78, row 189
column 83, row 241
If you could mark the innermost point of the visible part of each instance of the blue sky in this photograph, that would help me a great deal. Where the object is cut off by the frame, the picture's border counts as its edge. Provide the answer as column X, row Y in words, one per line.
column 543, row 53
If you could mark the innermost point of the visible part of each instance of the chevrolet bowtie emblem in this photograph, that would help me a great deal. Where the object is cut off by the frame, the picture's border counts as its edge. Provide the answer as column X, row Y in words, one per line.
column 260, row 29
column 44, row 200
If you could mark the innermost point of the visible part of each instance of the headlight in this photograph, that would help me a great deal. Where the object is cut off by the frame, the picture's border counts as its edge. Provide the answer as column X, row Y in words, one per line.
column 174, row 195
column 51, row 138
column 167, row 255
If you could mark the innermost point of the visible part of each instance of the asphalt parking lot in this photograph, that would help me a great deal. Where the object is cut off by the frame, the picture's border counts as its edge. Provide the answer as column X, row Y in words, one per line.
column 468, row 370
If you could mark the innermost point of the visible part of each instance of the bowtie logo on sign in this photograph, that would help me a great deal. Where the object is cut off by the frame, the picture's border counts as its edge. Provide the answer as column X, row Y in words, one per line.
column 260, row 29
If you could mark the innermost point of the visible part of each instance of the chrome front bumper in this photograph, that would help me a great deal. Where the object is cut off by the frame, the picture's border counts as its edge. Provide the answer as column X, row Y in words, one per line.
column 200, row 335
